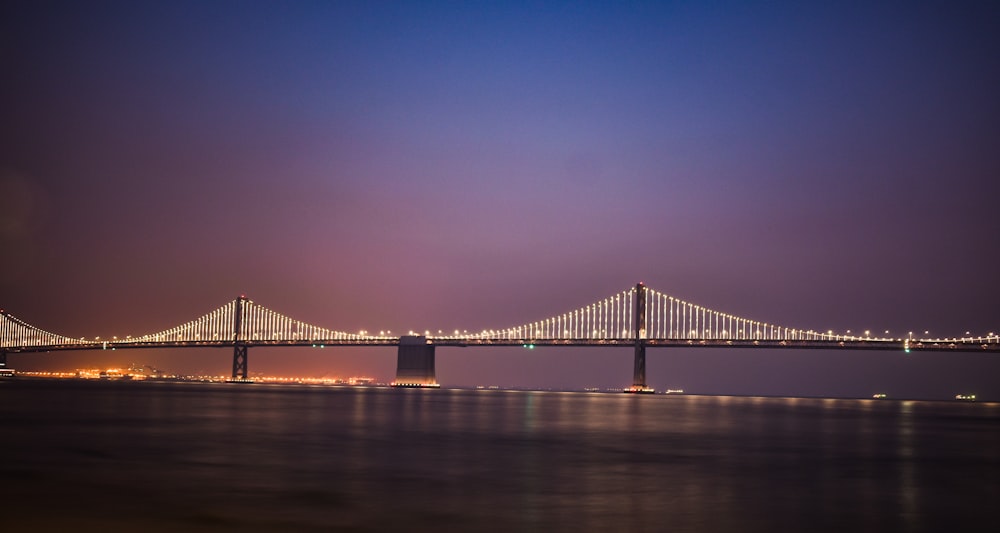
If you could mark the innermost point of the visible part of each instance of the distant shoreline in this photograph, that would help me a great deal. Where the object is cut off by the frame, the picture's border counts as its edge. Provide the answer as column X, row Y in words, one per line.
column 333, row 384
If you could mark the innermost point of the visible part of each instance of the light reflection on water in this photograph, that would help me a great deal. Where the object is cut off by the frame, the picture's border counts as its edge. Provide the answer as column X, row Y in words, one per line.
column 268, row 457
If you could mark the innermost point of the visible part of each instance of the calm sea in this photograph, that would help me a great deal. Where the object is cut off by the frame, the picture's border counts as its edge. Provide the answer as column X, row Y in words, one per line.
column 119, row 456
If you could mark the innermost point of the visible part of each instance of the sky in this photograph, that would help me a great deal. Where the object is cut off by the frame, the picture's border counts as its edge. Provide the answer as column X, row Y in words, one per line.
column 474, row 165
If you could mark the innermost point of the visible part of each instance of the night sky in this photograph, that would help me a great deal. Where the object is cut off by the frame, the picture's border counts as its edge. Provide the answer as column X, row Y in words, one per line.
column 424, row 165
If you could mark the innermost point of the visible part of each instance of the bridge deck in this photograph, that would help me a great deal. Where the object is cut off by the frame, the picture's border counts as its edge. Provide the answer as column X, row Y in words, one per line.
column 883, row 345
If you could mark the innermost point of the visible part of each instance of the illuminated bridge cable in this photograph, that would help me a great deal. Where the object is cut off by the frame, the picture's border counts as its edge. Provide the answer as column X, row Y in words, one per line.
column 15, row 333
column 667, row 318
column 611, row 320
column 256, row 324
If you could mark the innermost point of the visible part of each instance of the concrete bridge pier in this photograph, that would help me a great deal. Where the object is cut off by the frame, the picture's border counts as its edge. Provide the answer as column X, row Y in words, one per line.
column 415, row 363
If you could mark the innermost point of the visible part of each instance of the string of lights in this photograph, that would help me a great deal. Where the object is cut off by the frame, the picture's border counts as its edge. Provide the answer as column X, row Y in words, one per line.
column 611, row 319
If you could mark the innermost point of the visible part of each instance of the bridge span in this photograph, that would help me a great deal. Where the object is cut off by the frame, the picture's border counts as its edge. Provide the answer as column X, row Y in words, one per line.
column 638, row 318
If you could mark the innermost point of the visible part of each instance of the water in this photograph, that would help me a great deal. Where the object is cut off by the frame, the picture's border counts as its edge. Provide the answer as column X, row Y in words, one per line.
column 124, row 456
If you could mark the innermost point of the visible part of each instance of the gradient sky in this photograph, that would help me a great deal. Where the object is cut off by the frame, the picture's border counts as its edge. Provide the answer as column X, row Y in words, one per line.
column 425, row 165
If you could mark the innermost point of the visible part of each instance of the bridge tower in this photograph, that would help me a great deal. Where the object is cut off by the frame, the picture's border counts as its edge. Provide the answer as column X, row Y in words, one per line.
column 639, row 366
column 239, row 344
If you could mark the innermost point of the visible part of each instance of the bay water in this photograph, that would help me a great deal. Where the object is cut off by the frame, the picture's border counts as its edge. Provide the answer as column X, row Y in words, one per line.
column 82, row 455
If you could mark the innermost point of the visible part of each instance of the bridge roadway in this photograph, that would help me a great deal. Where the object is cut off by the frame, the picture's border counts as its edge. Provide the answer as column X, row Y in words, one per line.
column 415, row 364
column 966, row 345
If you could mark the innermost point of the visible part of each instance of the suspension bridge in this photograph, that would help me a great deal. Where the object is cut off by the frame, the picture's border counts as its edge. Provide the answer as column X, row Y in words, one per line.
column 638, row 317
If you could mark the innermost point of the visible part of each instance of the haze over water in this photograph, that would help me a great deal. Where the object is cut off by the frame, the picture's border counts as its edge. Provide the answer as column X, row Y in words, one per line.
column 177, row 456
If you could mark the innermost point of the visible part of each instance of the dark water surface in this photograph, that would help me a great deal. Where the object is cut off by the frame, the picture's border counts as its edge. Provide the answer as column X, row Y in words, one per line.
column 181, row 456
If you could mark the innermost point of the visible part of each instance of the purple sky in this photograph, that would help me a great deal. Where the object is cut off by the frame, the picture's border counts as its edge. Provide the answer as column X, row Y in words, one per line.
column 420, row 165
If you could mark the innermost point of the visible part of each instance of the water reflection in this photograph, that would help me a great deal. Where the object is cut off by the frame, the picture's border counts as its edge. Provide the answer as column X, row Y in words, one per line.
column 907, row 476
column 276, row 458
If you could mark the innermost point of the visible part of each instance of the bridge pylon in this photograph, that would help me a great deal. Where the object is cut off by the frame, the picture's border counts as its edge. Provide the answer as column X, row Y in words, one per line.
column 239, row 344
column 639, row 335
